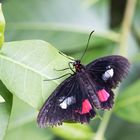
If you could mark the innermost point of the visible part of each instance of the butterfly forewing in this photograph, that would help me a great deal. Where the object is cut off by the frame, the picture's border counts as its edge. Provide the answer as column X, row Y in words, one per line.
column 49, row 113
column 118, row 64
column 64, row 104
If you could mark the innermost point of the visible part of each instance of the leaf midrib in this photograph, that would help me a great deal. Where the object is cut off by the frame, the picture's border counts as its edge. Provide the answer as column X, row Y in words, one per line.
column 27, row 67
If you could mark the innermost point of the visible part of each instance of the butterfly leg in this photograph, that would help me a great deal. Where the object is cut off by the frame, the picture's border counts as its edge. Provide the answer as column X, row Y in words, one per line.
column 58, row 77
column 61, row 69
column 71, row 68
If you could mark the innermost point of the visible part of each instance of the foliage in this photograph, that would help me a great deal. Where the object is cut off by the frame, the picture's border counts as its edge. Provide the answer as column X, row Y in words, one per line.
column 2, row 26
column 26, row 62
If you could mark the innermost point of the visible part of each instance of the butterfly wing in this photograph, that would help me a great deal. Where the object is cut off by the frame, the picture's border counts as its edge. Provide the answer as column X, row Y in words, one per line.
column 110, row 101
column 99, row 97
column 117, row 65
column 64, row 104
column 107, row 72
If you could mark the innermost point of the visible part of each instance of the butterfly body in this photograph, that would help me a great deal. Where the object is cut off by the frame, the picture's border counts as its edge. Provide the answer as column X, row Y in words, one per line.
column 87, row 89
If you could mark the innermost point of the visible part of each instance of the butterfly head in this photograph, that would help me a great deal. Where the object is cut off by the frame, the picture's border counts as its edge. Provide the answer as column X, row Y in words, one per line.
column 78, row 66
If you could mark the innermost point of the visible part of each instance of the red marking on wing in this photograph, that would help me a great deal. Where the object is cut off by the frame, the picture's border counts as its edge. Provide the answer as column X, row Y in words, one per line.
column 103, row 95
column 86, row 107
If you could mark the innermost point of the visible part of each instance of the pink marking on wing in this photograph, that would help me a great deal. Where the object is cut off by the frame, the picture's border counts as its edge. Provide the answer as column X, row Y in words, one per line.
column 103, row 95
column 86, row 107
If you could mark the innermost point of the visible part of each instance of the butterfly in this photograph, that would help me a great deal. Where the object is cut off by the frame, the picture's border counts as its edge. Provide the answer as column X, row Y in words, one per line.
column 87, row 89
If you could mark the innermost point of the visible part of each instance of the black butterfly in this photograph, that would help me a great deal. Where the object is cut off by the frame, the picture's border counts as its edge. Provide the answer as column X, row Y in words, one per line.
column 88, row 88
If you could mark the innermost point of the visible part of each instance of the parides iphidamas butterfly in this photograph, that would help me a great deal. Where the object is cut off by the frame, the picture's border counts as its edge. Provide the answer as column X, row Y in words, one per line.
column 88, row 88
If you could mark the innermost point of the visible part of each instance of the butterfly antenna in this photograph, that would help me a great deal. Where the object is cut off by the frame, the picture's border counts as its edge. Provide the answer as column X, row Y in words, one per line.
column 87, row 44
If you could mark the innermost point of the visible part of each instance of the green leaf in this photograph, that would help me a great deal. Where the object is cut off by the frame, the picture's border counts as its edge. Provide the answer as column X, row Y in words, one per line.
column 94, row 53
column 128, row 103
column 136, row 58
column 2, row 26
column 1, row 99
column 21, row 114
column 23, row 125
column 5, row 110
column 118, row 129
column 67, row 27
column 74, row 131
column 29, row 131
column 4, row 117
column 24, row 65
column 7, row 96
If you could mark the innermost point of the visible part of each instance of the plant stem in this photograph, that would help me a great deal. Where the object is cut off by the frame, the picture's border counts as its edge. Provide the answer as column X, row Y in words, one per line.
column 126, row 26
column 103, row 125
column 125, row 29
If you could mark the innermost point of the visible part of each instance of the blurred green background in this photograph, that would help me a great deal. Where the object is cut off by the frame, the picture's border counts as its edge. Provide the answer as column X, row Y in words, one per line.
column 66, row 24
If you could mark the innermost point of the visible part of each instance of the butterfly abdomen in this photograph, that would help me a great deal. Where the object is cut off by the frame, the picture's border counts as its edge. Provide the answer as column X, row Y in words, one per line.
column 88, row 88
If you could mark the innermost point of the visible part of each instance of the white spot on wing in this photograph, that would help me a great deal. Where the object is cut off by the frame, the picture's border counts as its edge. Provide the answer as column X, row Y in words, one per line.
column 68, row 101
column 63, row 105
column 108, row 74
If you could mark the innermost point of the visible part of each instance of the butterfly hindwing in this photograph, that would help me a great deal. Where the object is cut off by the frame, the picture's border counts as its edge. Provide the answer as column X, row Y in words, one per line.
column 99, row 96
column 65, row 104
column 110, row 101
column 116, row 66
column 107, row 72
